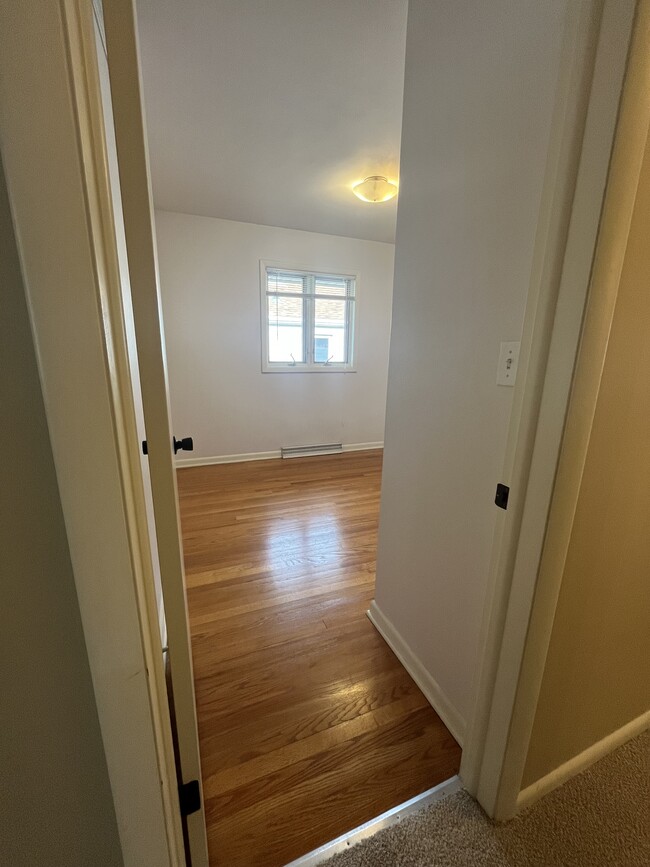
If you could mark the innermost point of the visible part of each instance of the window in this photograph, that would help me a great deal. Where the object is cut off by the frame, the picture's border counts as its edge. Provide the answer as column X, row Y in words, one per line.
column 307, row 321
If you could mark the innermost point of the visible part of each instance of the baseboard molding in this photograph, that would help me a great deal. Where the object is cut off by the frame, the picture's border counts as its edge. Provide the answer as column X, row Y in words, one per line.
column 362, row 447
column 582, row 761
column 227, row 459
column 260, row 456
column 432, row 691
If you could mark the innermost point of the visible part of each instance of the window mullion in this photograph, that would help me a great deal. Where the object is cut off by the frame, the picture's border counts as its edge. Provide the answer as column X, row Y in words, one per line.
column 310, row 317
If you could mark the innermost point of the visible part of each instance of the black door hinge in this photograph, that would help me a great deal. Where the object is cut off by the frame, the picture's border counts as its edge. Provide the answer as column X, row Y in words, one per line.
column 501, row 496
column 189, row 796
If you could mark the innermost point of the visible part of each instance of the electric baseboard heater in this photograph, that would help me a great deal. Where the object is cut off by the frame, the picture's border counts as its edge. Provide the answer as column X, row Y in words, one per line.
column 304, row 451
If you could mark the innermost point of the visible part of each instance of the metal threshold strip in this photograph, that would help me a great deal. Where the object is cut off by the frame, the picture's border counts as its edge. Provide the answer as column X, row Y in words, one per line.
column 390, row 817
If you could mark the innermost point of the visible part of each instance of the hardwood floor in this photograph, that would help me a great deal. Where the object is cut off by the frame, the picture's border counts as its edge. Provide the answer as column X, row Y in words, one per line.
column 308, row 723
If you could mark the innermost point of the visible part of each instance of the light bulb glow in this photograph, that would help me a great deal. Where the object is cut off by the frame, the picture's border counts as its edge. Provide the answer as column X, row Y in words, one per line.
column 375, row 189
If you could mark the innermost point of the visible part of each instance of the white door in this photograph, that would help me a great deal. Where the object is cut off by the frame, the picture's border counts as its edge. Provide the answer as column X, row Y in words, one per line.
column 128, row 168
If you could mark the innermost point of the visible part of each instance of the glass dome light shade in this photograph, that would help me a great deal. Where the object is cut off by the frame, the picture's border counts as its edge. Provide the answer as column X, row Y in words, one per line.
column 375, row 189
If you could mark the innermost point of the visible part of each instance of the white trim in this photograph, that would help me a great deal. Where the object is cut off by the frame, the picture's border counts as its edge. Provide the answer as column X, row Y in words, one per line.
column 593, row 65
column 227, row 459
column 120, row 27
column 385, row 820
column 622, row 183
column 433, row 693
column 87, row 48
column 360, row 447
column 352, row 320
column 262, row 456
column 330, row 368
column 583, row 761
column 61, row 207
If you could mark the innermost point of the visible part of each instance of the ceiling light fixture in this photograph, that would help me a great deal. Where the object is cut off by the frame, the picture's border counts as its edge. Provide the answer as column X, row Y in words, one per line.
column 375, row 189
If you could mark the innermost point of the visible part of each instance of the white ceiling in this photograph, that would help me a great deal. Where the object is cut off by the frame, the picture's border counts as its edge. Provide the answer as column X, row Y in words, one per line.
column 266, row 111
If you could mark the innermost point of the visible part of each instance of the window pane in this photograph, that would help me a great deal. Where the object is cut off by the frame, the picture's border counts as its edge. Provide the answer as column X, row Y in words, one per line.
column 321, row 349
column 330, row 331
column 285, row 329
column 336, row 286
column 284, row 281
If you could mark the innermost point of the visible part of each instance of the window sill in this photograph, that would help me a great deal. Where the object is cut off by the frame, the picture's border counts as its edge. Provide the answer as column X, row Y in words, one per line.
column 331, row 368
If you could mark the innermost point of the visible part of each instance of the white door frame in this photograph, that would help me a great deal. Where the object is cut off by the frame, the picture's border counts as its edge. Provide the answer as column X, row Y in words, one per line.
column 127, row 109
column 57, row 181
column 510, row 748
column 592, row 76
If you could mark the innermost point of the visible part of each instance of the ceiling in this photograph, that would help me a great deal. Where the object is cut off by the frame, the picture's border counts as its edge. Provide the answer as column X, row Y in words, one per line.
column 267, row 111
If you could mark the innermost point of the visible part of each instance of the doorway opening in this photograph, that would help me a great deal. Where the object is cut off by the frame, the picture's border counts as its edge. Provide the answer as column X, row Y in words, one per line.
column 276, row 284
column 306, row 354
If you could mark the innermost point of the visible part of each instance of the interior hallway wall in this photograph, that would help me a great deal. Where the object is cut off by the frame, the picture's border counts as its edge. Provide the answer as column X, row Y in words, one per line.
column 597, row 674
column 210, row 284
column 479, row 93
column 56, row 807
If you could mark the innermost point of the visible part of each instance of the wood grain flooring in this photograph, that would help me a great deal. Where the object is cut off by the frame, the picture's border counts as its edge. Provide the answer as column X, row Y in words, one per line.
column 308, row 724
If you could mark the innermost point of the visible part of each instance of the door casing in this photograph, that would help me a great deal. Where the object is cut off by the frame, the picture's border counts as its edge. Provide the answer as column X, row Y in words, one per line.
column 59, row 196
column 592, row 77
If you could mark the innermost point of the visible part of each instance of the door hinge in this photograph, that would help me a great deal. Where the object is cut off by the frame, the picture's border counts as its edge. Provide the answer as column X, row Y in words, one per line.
column 501, row 496
column 189, row 796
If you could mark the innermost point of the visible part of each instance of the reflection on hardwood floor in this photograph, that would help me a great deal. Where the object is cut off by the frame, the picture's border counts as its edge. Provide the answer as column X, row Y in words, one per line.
column 309, row 725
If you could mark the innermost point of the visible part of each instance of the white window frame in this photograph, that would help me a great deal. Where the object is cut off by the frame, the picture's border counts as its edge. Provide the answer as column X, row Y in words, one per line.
column 309, row 365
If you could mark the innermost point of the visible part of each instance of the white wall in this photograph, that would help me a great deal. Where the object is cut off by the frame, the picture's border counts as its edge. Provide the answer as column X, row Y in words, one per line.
column 55, row 799
column 210, row 279
column 479, row 92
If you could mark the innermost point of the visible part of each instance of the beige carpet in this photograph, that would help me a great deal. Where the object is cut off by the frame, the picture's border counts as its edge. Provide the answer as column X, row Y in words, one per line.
column 601, row 817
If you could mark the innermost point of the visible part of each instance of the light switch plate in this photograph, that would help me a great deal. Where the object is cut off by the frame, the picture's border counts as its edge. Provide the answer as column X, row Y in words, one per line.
column 508, row 363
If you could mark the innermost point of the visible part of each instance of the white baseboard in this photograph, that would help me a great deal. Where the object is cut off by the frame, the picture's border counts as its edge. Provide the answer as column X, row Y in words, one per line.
column 260, row 456
column 361, row 447
column 582, row 761
column 227, row 459
column 432, row 691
